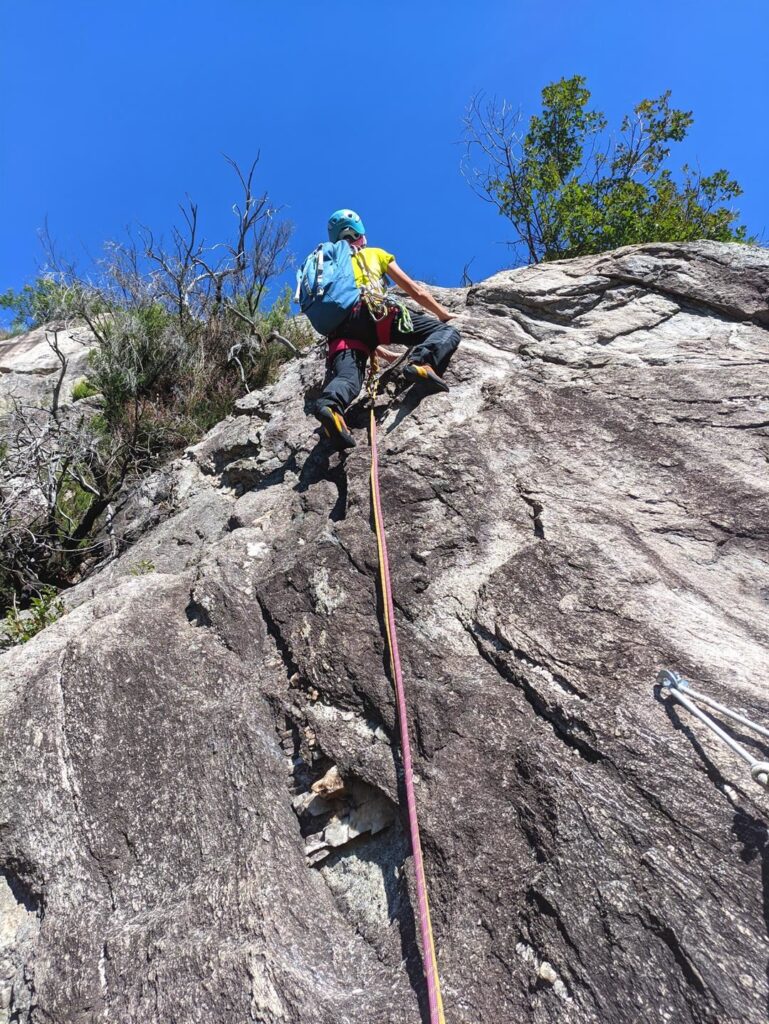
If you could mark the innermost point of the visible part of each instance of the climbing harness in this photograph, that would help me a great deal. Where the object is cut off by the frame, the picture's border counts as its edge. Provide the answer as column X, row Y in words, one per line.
column 681, row 691
column 429, row 959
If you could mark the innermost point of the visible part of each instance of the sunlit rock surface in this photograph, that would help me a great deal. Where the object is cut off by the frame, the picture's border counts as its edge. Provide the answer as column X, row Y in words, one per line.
column 199, row 814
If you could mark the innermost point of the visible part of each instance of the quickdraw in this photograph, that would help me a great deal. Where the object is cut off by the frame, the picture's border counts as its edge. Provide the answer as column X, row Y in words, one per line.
column 681, row 691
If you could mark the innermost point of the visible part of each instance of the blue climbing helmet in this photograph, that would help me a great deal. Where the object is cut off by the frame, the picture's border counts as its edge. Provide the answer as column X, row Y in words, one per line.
column 345, row 224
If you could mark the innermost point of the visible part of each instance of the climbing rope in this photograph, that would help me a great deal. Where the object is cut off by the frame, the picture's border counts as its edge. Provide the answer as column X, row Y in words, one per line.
column 681, row 691
column 429, row 959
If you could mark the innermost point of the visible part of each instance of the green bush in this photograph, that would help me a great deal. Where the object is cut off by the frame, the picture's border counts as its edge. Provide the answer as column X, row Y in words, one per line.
column 140, row 352
column 83, row 388
column 38, row 303
column 142, row 567
column 179, row 334
column 73, row 502
column 44, row 609
column 165, row 380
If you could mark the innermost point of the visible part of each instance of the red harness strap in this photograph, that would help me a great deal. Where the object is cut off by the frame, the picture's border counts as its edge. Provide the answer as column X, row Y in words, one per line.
column 340, row 344
column 383, row 329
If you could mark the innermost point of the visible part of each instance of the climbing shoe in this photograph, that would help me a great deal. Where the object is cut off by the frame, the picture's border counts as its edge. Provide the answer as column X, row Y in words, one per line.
column 335, row 428
column 424, row 373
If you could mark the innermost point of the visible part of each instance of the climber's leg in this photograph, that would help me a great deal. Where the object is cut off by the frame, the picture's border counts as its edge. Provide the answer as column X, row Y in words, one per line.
column 432, row 345
column 344, row 379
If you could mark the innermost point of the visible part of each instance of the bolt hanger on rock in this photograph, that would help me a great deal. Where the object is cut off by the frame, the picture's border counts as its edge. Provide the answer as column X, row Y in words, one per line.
column 680, row 690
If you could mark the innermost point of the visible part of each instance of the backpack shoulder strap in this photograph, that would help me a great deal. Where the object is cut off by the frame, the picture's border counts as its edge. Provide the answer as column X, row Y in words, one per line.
column 319, row 271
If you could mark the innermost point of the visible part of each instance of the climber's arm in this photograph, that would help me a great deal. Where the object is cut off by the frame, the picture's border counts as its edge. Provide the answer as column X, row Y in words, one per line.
column 416, row 291
column 387, row 354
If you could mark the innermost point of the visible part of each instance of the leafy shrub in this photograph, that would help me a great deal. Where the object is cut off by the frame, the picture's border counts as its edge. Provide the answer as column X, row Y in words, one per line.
column 44, row 609
column 38, row 303
column 83, row 388
column 179, row 333
column 140, row 352
column 142, row 567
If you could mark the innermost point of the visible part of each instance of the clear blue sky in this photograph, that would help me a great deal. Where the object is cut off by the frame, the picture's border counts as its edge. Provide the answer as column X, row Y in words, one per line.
column 111, row 111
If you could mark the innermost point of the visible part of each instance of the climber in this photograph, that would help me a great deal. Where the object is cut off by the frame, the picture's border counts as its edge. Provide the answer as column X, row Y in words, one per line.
column 376, row 319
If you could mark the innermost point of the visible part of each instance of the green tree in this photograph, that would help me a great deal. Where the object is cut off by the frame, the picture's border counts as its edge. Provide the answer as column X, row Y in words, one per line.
column 37, row 303
column 570, row 190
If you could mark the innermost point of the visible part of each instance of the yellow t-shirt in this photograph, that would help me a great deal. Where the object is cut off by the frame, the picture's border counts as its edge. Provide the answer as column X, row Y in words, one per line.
column 370, row 266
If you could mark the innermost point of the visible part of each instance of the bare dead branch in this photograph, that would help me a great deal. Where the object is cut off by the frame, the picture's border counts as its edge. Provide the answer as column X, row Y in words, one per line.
column 274, row 336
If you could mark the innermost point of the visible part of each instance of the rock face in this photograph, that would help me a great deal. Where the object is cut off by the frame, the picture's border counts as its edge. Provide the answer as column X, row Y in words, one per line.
column 199, row 815
column 38, row 410
column 30, row 367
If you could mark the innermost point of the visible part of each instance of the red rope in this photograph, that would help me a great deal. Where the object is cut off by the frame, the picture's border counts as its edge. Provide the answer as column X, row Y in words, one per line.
column 429, row 960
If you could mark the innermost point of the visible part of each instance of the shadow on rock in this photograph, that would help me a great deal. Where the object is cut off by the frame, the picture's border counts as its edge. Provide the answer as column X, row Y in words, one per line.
column 410, row 401
column 370, row 871
column 751, row 831
column 311, row 395
column 317, row 467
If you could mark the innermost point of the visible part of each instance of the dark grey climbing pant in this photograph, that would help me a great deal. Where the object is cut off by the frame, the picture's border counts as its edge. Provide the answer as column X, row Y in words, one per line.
column 430, row 341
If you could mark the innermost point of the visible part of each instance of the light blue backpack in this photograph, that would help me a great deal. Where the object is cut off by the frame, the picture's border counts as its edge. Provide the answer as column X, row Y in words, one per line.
column 325, row 286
